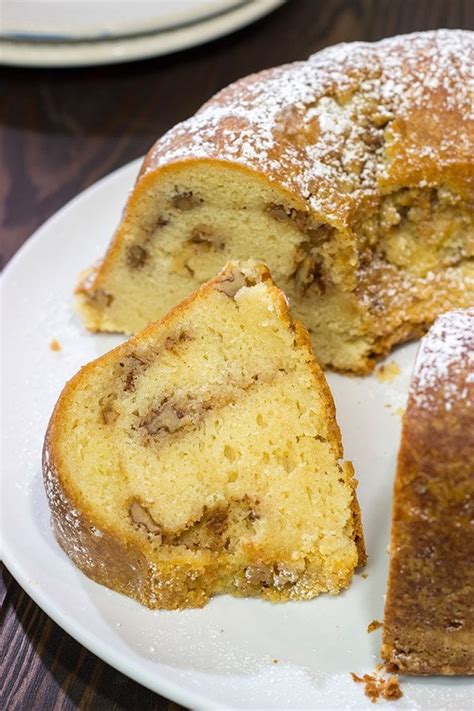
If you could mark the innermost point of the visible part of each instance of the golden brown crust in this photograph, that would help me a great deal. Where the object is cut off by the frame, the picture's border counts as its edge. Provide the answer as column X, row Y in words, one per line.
column 121, row 563
column 429, row 613
column 357, row 518
column 428, row 129
column 419, row 85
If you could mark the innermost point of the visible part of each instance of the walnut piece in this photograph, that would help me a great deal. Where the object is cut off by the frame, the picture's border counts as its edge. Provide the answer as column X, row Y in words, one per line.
column 205, row 236
column 167, row 418
column 101, row 298
column 307, row 273
column 172, row 342
column 141, row 517
column 109, row 415
column 159, row 223
column 134, row 364
column 372, row 138
column 259, row 574
column 186, row 201
column 279, row 212
column 107, row 410
column 231, row 284
column 285, row 574
column 136, row 256
column 316, row 231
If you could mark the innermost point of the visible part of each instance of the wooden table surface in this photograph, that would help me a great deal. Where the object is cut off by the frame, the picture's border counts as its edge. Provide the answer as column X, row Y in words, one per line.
column 63, row 129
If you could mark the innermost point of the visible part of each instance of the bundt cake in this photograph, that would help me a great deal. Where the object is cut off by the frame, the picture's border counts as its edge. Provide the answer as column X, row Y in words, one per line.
column 429, row 612
column 203, row 456
column 351, row 175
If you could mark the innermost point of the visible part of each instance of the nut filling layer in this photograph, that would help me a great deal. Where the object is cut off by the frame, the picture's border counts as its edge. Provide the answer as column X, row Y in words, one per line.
column 216, row 529
column 187, row 411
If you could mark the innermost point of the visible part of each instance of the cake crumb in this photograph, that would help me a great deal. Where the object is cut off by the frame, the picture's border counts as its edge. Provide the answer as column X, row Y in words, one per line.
column 392, row 691
column 377, row 687
column 55, row 345
column 374, row 625
column 399, row 412
column 365, row 576
column 387, row 372
column 274, row 661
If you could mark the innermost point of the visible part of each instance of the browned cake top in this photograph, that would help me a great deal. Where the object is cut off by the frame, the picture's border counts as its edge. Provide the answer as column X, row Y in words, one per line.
column 353, row 121
column 429, row 615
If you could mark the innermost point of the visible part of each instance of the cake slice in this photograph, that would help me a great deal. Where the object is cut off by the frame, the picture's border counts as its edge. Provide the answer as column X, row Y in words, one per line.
column 203, row 456
column 429, row 612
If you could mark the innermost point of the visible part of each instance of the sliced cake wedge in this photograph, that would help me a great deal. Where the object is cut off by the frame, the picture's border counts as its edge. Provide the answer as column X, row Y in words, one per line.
column 429, row 612
column 203, row 456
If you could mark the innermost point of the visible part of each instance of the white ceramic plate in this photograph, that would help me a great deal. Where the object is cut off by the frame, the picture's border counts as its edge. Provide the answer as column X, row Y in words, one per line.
column 72, row 20
column 128, row 48
column 222, row 656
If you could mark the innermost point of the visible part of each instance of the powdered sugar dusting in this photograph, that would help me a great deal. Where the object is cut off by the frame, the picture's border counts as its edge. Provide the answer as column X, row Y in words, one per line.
column 69, row 527
column 319, row 127
column 385, row 289
column 444, row 369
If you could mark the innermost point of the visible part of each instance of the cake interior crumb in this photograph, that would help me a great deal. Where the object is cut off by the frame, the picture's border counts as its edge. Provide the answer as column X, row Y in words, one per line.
column 55, row 345
column 387, row 372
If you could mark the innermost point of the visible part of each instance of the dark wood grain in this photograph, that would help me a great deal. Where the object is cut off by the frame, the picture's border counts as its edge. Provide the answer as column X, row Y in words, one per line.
column 60, row 131
column 43, row 668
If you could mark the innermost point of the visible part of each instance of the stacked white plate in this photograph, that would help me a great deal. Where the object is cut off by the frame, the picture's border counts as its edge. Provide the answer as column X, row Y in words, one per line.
column 85, row 32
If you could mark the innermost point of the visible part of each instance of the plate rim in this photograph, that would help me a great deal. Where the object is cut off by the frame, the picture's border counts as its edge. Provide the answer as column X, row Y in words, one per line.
column 182, row 17
column 168, row 689
column 136, row 47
